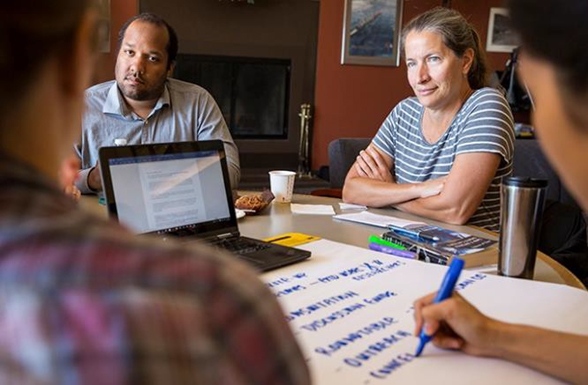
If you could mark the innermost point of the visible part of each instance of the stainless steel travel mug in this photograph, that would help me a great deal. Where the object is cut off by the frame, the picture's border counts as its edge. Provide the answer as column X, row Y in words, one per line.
column 522, row 201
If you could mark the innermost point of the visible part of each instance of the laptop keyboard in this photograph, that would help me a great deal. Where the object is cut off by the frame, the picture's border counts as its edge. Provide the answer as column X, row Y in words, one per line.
column 241, row 246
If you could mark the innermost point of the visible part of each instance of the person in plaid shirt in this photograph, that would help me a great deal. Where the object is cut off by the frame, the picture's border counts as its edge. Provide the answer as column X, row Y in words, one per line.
column 83, row 301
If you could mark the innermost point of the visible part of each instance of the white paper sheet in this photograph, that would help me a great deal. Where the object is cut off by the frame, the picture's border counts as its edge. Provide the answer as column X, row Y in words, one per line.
column 297, row 208
column 351, row 206
column 351, row 310
column 370, row 218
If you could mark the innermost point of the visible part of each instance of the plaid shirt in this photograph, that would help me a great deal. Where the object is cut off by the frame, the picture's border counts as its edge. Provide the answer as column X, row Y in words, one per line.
column 83, row 301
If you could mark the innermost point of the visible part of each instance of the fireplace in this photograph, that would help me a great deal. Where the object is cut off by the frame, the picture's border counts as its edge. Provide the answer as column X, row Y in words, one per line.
column 252, row 93
column 273, row 40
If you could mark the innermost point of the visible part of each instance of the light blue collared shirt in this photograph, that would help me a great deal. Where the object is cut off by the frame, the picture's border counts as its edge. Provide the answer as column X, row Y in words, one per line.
column 184, row 112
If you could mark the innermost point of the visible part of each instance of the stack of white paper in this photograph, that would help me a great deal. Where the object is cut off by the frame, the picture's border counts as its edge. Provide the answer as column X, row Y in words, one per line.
column 312, row 209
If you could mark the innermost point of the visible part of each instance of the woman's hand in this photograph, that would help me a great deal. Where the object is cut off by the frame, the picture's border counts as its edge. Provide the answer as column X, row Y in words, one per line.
column 432, row 187
column 456, row 324
column 371, row 164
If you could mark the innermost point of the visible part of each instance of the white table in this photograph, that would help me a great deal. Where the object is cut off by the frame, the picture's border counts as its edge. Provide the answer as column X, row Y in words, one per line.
column 278, row 219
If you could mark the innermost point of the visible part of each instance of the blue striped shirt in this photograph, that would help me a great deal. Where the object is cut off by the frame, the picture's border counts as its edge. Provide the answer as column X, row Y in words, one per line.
column 483, row 124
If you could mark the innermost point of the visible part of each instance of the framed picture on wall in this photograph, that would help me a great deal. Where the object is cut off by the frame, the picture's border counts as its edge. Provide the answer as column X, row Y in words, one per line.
column 501, row 38
column 371, row 30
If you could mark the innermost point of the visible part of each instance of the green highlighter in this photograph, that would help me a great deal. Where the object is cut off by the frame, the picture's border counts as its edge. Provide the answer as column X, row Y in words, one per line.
column 380, row 241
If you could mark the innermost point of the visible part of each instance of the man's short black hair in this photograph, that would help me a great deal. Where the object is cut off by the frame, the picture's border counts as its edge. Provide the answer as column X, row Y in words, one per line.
column 172, row 44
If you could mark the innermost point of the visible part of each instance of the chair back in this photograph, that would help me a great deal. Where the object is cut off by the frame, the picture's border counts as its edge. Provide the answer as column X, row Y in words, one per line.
column 529, row 161
column 342, row 154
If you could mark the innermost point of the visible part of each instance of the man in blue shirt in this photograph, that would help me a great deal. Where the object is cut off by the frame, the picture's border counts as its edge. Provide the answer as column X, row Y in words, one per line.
column 143, row 105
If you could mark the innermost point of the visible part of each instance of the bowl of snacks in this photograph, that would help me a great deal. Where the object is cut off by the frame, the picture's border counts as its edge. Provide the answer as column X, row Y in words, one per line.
column 253, row 204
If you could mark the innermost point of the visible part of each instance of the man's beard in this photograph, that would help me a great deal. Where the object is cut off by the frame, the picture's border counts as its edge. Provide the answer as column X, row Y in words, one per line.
column 142, row 94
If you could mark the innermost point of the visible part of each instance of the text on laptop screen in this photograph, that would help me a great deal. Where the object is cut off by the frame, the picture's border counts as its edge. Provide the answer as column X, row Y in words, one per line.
column 169, row 191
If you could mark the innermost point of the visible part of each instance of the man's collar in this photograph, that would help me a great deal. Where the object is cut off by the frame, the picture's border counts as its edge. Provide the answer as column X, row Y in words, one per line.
column 116, row 105
column 164, row 100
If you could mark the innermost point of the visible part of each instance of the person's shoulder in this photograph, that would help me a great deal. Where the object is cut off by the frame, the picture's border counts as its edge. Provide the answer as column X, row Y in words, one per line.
column 405, row 114
column 409, row 106
column 201, row 271
column 182, row 87
column 488, row 94
column 99, row 90
column 486, row 100
column 200, row 262
column 97, row 94
column 411, row 103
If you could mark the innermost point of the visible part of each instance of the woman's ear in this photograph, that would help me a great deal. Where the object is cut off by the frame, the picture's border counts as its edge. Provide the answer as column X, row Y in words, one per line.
column 79, row 59
column 468, row 60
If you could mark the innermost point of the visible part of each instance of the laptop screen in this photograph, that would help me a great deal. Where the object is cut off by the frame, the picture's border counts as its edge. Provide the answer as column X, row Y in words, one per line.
column 168, row 188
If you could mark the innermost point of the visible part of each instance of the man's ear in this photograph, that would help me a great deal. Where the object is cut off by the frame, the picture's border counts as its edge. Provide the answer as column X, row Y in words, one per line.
column 78, row 61
column 170, row 71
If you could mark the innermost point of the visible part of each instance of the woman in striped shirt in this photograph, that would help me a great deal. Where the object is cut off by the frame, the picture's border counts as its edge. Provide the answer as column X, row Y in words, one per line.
column 556, row 72
column 441, row 154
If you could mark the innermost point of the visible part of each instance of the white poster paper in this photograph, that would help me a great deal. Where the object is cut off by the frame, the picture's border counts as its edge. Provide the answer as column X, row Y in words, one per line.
column 351, row 310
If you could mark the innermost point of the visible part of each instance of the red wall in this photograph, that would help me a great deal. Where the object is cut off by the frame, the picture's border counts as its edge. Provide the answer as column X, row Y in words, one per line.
column 353, row 100
column 120, row 11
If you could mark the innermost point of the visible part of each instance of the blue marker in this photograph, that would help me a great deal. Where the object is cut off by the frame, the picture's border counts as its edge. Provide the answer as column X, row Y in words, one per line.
column 444, row 292
column 392, row 251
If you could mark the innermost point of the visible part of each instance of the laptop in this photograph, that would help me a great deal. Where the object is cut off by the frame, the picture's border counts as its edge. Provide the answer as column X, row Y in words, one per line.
column 182, row 190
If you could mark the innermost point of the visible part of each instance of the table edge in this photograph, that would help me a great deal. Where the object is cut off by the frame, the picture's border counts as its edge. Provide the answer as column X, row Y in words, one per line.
column 568, row 277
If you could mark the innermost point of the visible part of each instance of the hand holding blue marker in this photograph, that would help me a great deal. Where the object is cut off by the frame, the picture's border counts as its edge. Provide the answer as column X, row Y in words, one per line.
column 444, row 292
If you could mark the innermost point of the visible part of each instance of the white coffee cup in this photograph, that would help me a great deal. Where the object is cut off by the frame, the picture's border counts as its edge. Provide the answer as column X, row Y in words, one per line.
column 282, row 185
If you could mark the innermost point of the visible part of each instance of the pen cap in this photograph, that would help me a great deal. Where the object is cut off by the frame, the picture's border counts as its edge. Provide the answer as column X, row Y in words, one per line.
column 521, row 201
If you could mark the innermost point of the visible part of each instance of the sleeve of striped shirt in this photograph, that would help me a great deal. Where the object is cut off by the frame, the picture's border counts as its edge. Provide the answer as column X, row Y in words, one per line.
column 488, row 126
column 385, row 138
